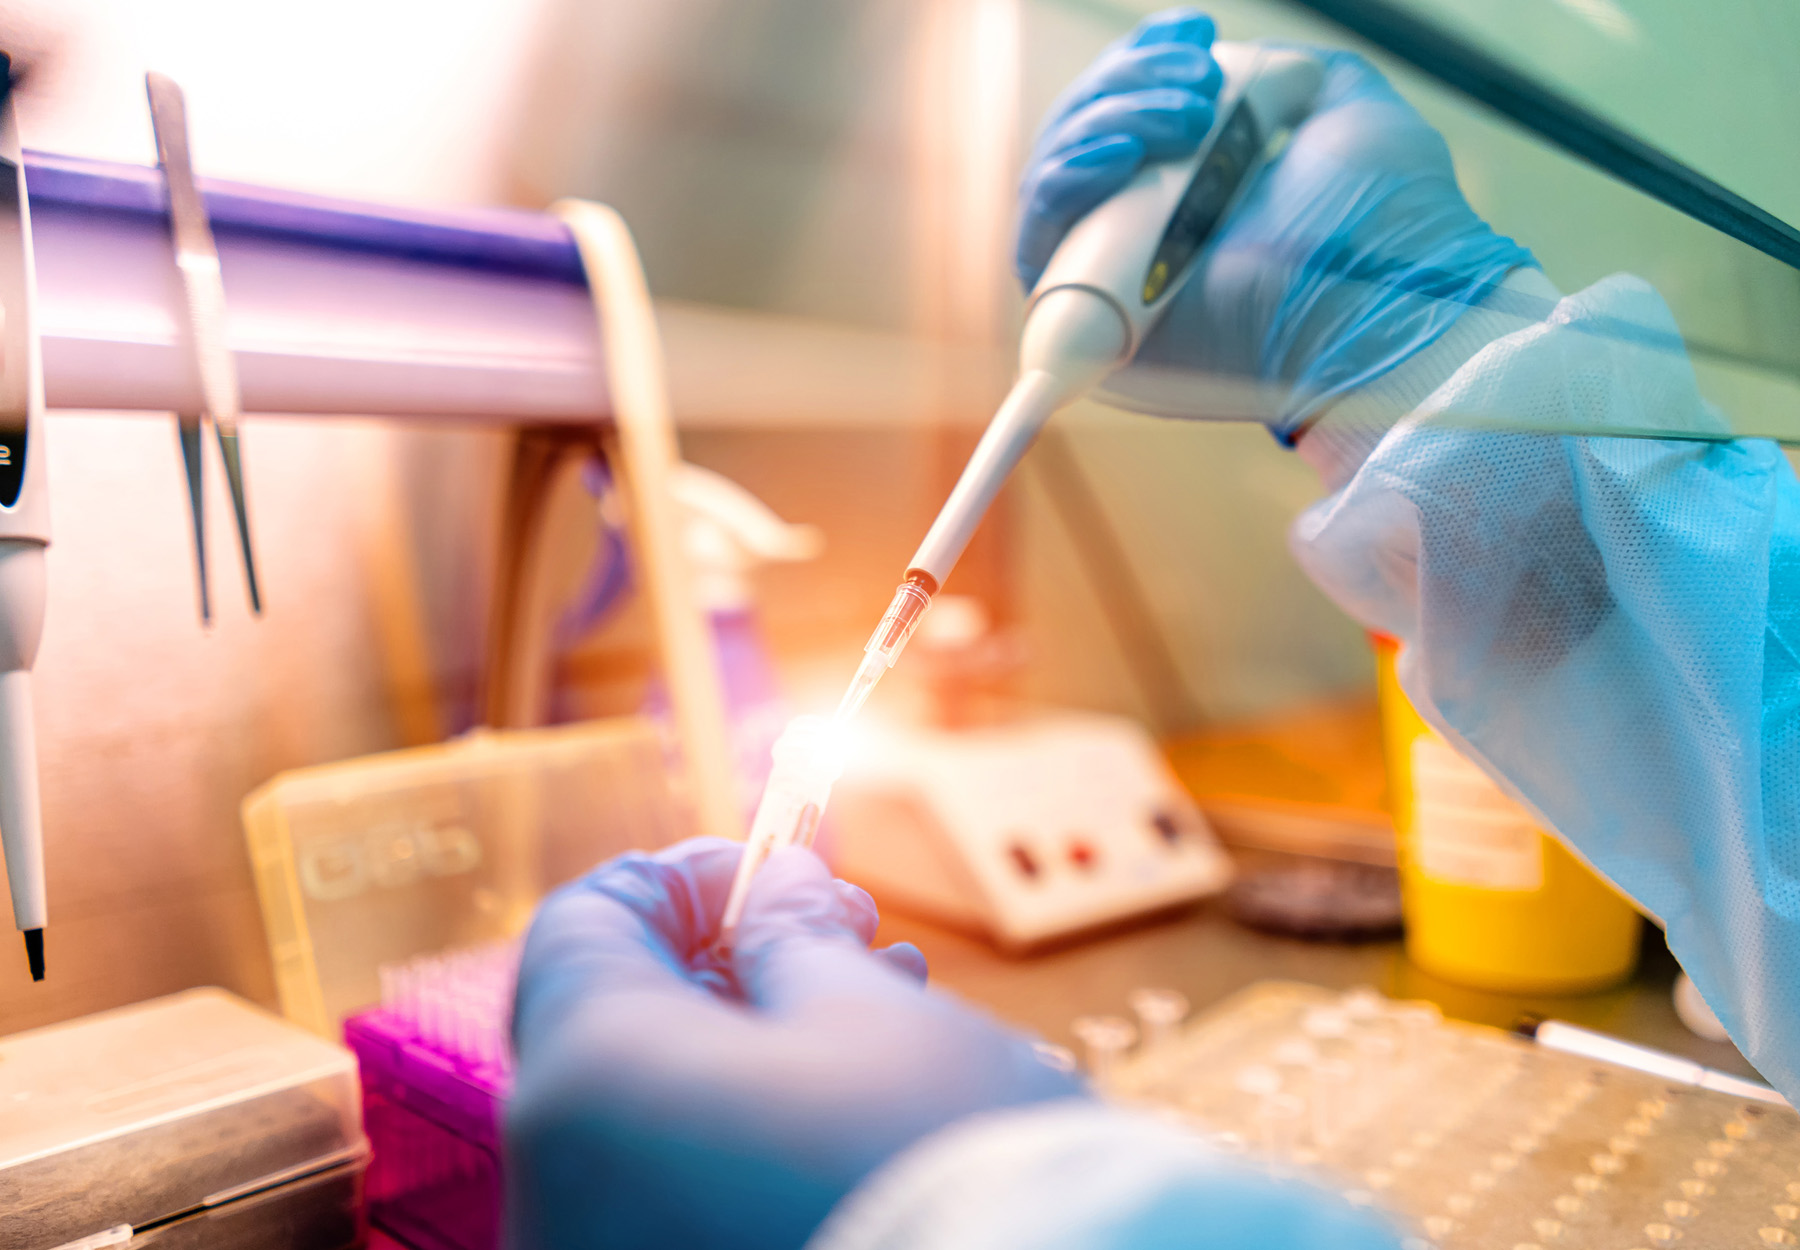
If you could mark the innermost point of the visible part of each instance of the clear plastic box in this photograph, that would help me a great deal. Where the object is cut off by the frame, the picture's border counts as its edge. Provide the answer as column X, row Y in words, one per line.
column 192, row 1121
column 375, row 860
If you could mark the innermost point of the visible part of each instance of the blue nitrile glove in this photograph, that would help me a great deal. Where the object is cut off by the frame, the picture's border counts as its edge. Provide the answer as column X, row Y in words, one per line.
column 1148, row 97
column 1354, row 250
column 664, row 1101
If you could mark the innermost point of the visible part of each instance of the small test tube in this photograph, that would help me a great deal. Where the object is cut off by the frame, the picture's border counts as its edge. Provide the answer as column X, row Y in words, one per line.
column 1106, row 1039
column 1160, row 1013
column 808, row 756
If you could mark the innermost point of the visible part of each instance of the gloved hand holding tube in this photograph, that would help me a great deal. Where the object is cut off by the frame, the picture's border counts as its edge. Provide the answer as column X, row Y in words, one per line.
column 664, row 1100
column 816, row 1092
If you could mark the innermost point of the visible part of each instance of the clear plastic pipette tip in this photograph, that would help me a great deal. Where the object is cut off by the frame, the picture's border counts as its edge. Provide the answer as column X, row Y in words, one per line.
column 862, row 685
column 897, row 624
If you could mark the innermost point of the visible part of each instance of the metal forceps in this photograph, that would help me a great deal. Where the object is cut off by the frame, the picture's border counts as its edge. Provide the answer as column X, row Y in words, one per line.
column 197, row 258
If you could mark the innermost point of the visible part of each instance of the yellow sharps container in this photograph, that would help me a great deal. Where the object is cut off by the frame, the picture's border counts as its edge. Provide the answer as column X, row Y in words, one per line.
column 1491, row 900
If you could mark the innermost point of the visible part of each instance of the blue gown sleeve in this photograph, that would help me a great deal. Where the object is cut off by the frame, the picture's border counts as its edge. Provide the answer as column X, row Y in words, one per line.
column 1079, row 1175
column 1609, row 627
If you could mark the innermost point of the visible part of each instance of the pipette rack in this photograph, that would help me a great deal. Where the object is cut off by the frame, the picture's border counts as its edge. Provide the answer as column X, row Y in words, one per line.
column 1474, row 1138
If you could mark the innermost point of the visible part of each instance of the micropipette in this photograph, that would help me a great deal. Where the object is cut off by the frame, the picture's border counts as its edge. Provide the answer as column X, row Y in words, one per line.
column 1108, row 283
column 24, row 533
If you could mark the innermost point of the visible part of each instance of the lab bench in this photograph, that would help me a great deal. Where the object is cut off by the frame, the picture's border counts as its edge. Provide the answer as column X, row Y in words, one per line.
column 1204, row 954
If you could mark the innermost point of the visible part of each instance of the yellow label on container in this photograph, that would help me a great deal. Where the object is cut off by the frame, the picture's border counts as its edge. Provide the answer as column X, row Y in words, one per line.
column 1465, row 830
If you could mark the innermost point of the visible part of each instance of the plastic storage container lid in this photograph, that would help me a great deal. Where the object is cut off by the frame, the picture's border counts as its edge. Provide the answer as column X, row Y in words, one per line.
column 176, row 1108
column 374, row 861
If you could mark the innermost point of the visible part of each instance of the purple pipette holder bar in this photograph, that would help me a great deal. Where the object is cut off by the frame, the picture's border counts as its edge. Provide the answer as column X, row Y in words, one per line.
column 434, row 1123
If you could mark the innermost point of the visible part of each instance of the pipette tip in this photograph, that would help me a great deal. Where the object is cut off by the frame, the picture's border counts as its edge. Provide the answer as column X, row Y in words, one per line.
column 34, row 952
column 884, row 647
column 867, row 674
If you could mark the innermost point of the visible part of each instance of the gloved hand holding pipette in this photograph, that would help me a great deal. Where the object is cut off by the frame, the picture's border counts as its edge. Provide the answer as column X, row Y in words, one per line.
column 1155, row 228
column 1353, row 252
